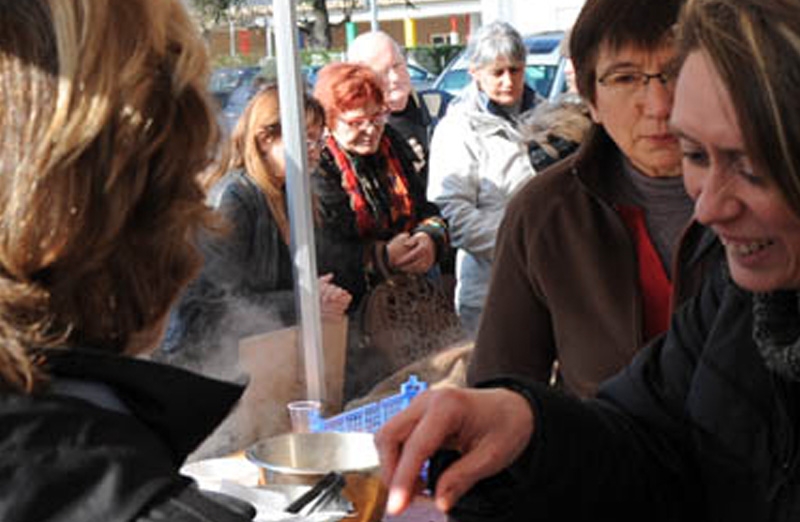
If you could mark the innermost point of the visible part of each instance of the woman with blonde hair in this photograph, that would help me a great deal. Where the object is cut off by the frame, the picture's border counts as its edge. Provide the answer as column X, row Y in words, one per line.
column 105, row 123
column 246, row 286
column 255, row 151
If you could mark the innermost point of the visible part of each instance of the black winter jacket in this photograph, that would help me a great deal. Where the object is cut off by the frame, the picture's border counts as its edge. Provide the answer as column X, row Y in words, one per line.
column 696, row 428
column 341, row 249
column 65, row 457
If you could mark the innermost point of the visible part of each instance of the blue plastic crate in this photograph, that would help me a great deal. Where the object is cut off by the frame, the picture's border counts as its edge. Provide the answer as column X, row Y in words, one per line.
column 370, row 417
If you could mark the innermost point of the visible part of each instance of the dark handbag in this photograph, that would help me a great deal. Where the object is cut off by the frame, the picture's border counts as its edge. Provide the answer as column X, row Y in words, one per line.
column 407, row 317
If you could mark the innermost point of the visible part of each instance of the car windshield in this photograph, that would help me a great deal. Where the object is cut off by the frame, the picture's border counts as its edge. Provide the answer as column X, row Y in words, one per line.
column 454, row 80
column 224, row 80
column 540, row 78
column 416, row 73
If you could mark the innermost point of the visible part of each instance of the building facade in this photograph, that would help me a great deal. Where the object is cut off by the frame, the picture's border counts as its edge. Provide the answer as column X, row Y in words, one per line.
column 433, row 22
column 413, row 23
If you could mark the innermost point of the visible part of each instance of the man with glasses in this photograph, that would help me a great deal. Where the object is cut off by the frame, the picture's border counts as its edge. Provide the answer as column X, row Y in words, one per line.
column 582, row 277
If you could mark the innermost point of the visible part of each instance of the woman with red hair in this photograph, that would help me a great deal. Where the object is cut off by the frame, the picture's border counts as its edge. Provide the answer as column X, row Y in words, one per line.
column 375, row 218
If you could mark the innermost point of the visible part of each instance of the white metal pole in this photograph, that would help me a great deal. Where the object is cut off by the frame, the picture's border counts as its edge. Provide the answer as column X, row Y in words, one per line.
column 267, row 36
column 374, row 15
column 299, row 196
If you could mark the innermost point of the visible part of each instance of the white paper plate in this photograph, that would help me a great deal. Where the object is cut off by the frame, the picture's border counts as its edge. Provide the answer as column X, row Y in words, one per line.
column 210, row 473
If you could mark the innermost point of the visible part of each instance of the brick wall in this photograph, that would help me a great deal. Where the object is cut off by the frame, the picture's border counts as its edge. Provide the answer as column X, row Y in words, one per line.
column 250, row 42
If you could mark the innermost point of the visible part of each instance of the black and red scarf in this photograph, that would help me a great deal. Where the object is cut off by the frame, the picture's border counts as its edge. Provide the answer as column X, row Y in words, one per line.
column 377, row 188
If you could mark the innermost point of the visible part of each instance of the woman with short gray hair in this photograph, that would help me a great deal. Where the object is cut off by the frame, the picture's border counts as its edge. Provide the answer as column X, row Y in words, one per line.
column 495, row 40
column 479, row 158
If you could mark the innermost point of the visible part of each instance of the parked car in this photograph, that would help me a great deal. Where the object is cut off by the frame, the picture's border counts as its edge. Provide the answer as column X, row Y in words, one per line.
column 421, row 78
column 233, row 87
column 544, row 67
column 310, row 72
column 238, row 100
column 225, row 80
column 240, row 97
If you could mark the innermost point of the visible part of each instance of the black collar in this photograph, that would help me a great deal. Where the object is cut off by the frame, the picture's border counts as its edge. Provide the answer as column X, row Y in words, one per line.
column 181, row 407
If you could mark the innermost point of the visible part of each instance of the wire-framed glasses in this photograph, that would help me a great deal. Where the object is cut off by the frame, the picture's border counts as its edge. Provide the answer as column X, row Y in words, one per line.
column 634, row 81
column 364, row 122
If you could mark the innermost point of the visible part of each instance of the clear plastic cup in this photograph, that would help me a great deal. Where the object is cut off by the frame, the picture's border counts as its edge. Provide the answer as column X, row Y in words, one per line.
column 302, row 415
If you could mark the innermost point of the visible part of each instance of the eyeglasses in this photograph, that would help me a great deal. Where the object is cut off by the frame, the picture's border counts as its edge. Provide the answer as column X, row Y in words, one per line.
column 315, row 144
column 632, row 82
column 365, row 122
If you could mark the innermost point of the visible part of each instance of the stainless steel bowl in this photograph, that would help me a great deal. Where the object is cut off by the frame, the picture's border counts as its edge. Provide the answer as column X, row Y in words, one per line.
column 304, row 458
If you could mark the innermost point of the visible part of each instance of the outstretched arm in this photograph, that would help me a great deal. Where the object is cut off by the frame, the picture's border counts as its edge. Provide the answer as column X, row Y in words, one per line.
column 490, row 428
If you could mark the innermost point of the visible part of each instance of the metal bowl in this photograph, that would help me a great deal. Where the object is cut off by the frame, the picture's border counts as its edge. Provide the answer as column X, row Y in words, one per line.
column 304, row 458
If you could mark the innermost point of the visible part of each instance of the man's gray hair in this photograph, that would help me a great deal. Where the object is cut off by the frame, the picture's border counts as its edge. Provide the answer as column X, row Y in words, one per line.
column 493, row 41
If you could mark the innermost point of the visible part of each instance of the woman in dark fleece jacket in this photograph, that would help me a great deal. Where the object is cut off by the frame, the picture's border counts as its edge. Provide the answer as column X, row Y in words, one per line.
column 703, row 424
column 582, row 271
column 105, row 124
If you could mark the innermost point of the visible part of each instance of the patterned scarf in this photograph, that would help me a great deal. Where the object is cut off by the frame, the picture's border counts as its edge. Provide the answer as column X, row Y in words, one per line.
column 377, row 188
column 776, row 331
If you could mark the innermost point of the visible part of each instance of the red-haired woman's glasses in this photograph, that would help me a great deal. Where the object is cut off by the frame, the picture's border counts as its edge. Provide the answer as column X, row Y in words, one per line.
column 362, row 123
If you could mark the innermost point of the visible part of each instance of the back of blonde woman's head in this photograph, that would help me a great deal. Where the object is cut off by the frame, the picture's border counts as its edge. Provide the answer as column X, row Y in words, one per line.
column 105, row 124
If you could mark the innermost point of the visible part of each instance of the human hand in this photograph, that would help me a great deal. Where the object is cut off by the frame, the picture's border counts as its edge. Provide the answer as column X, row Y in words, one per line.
column 491, row 429
column 333, row 300
column 396, row 248
column 419, row 256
